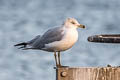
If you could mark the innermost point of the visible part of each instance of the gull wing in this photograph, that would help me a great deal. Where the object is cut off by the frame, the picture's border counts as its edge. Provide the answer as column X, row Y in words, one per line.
column 52, row 35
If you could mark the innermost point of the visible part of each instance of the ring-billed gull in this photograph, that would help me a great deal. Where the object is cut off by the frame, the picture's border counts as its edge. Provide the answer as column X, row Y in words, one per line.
column 56, row 39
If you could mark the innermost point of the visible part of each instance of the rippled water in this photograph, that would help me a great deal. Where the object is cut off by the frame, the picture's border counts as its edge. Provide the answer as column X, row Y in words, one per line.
column 21, row 20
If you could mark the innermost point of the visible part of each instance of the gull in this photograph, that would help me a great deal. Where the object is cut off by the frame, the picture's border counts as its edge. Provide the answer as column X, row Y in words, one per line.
column 55, row 40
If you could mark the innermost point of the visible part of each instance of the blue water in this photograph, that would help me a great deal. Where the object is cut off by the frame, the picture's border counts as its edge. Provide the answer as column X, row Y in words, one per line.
column 21, row 20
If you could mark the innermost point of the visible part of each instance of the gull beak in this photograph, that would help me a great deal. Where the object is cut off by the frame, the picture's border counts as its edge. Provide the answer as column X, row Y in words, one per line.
column 81, row 26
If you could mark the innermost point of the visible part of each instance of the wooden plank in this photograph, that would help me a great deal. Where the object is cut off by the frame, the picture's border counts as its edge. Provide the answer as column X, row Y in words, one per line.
column 105, row 38
column 93, row 73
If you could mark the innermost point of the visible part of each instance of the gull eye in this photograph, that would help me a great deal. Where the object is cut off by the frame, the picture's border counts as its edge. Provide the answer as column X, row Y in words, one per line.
column 73, row 22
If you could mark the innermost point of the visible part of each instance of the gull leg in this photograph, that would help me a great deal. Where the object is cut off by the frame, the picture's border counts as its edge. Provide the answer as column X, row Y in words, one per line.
column 55, row 59
column 59, row 59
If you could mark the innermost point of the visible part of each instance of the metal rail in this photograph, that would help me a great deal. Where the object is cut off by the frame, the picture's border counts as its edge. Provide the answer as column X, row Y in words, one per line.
column 105, row 38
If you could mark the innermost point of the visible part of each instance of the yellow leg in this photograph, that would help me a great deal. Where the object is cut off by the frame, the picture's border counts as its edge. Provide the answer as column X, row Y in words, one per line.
column 55, row 58
column 59, row 59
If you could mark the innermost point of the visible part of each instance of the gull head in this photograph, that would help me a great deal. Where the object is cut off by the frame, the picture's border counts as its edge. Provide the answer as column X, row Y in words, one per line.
column 71, row 22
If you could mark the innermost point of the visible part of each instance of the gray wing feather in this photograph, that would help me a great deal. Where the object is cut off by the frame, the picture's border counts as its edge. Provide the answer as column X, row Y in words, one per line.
column 33, row 40
column 51, row 35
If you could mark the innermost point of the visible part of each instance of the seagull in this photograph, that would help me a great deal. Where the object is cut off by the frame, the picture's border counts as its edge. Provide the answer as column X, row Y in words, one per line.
column 55, row 40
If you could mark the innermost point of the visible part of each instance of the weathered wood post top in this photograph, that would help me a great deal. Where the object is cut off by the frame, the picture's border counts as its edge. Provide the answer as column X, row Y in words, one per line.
column 92, row 73
column 89, row 73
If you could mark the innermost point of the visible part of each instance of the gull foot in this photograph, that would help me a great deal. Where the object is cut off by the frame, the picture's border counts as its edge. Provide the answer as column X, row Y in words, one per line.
column 61, row 66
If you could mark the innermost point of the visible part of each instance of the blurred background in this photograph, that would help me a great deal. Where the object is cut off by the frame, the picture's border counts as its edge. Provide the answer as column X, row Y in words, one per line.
column 21, row 20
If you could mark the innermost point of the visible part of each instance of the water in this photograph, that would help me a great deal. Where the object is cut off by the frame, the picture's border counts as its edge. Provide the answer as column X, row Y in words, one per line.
column 21, row 20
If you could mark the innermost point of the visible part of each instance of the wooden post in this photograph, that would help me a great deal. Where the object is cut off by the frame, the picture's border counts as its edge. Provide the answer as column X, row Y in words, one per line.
column 93, row 73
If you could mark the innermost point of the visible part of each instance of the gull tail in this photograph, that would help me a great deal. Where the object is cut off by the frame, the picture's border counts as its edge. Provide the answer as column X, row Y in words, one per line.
column 28, row 44
column 22, row 46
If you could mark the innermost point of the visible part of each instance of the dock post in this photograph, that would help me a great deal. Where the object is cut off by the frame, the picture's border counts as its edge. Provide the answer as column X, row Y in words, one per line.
column 88, row 73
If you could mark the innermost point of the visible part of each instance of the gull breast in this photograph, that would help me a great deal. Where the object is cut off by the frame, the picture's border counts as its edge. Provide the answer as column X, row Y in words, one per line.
column 69, row 39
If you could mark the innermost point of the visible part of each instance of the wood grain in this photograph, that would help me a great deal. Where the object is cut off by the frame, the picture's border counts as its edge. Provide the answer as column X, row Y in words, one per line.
column 94, row 73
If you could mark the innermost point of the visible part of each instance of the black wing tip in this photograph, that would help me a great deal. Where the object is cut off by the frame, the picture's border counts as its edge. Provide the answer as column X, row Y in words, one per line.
column 20, row 44
column 15, row 45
